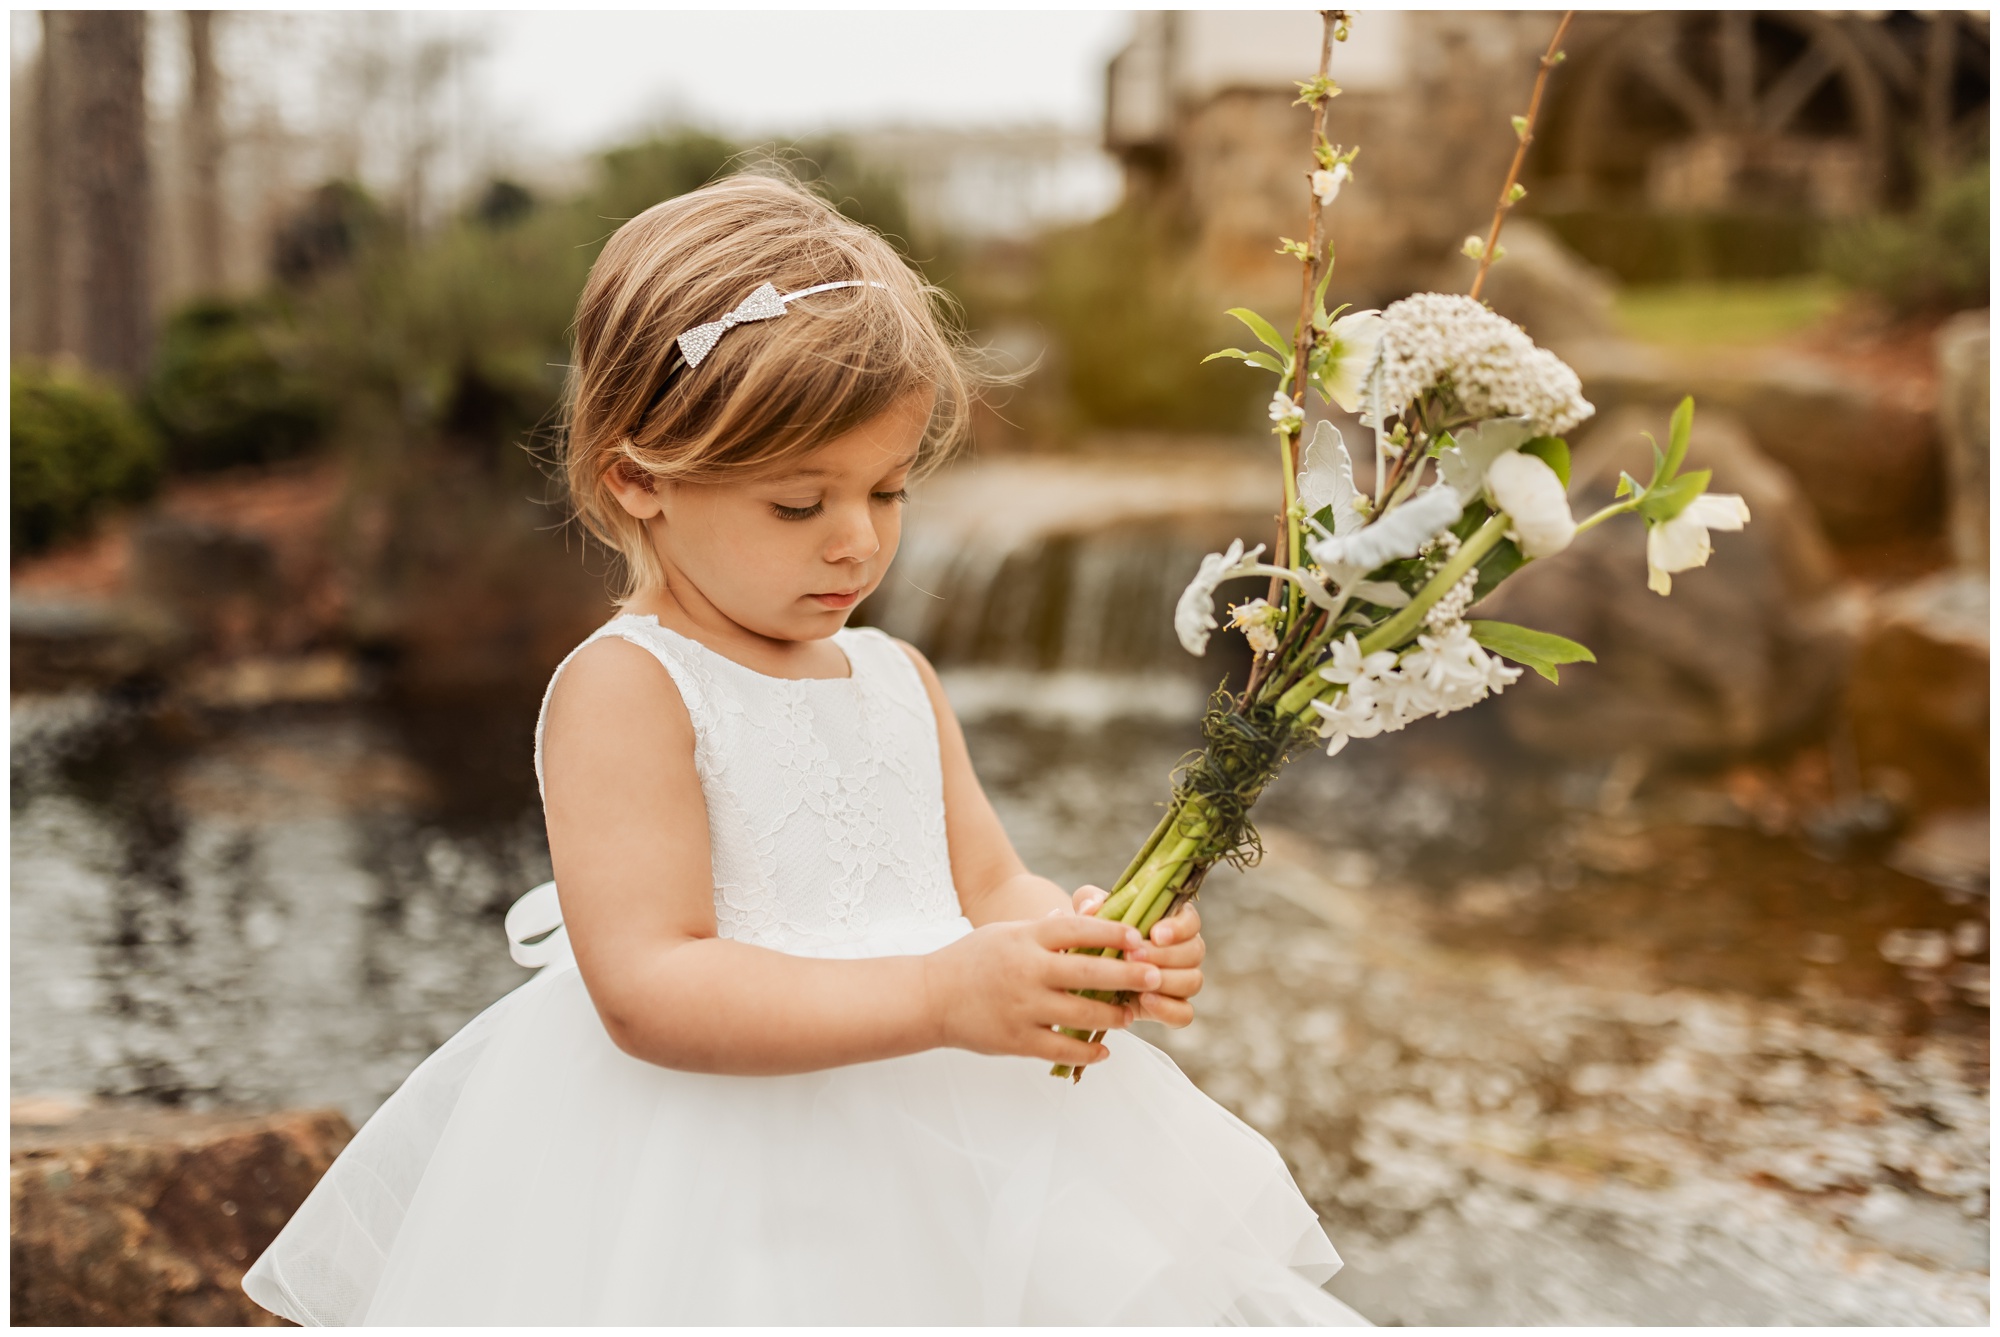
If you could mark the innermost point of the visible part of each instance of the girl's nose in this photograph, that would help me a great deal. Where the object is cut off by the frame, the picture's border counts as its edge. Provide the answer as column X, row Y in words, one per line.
column 854, row 538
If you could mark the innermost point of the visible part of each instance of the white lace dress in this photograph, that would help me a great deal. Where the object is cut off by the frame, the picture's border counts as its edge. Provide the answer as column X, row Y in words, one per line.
column 531, row 1172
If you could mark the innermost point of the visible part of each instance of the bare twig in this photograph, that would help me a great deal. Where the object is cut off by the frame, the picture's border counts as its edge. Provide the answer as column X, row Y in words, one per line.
column 1525, row 134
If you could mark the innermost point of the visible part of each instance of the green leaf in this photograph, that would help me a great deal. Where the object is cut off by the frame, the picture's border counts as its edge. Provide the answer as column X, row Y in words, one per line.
column 1323, row 517
column 1538, row 650
column 1552, row 451
column 1260, row 358
column 1627, row 485
column 1670, row 498
column 1262, row 328
column 1319, row 292
column 1505, row 559
column 1677, row 435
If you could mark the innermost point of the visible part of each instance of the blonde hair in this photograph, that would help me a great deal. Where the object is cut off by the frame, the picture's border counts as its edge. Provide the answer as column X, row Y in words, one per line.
column 770, row 391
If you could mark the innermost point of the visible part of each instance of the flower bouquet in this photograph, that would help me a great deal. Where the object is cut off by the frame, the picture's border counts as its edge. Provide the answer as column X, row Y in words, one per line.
column 1363, row 628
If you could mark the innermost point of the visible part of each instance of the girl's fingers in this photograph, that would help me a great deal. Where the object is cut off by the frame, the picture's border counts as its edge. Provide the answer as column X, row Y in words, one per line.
column 1059, row 933
column 1106, row 973
column 1055, row 1047
column 1179, row 983
column 1178, row 956
column 1088, row 1014
column 1166, row 1011
column 1181, row 925
column 1087, row 899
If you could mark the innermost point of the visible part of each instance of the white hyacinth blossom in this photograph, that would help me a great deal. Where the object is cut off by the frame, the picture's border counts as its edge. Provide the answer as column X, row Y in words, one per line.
column 1682, row 543
column 1383, row 693
column 1354, row 343
column 1399, row 533
column 1488, row 362
column 1535, row 500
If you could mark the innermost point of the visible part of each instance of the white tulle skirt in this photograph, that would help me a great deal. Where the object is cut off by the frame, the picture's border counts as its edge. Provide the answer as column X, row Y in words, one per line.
column 531, row 1172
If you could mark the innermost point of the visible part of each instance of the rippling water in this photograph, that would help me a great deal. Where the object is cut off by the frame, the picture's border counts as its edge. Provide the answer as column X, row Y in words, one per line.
column 1540, row 1052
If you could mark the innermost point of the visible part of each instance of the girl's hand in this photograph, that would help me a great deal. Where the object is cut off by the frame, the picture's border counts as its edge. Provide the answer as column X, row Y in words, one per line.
column 1004, row 988
column 1176, row 947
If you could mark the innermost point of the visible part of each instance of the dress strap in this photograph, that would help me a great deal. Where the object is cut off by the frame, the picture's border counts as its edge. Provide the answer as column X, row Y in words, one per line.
column 646, row 633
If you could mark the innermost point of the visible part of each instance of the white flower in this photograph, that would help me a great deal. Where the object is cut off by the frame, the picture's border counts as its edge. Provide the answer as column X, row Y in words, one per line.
column 1400, row 532
column 1326, row 184
column 1681, row 544
column 1464, row 463
column 1490, row 365
column 1194, row 616
column 1254, row 619
column 1286, row 416
column 1356, row 341
column 1446, row 671
column 1527, row 489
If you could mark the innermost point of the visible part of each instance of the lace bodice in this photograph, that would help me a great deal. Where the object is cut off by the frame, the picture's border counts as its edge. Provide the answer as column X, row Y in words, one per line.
column 825, row 795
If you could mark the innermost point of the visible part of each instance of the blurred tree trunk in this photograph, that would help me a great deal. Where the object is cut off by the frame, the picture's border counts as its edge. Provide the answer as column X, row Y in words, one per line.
column 95, row 61
column 204, row 150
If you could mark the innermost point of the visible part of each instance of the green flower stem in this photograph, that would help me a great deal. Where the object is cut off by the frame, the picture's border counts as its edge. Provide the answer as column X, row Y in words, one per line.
column 1407, row 620
column 1145, row 852
column 1615, row 508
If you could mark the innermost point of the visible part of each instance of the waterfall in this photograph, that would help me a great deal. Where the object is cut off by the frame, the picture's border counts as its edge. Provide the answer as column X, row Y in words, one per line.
column 1046, row 584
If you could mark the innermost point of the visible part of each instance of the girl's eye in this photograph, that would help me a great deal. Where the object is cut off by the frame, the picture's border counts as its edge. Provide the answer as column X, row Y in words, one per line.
column 784, row 512
column 900, row 494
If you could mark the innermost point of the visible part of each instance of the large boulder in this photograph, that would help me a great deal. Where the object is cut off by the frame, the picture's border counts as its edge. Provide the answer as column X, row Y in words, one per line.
column 147, row 1216
column 1920, row 698
column 1965, row 424
column 1746, row 651
column 1864, row 453
column 1543, row 286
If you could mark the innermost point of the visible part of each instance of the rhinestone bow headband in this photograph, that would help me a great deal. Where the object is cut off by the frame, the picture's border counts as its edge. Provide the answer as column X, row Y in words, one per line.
column 764, row 304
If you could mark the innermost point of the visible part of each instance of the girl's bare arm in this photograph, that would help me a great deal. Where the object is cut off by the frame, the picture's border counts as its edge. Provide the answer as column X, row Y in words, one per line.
column 628, row 833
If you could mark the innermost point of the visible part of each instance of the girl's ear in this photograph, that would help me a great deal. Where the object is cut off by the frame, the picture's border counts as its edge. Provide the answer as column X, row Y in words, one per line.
column 633, row 488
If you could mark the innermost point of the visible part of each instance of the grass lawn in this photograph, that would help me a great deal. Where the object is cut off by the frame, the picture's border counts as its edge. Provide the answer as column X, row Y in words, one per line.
column 1739, row 312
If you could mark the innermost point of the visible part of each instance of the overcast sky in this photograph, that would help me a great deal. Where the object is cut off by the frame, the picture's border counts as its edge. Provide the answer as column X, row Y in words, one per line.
column 579, row 80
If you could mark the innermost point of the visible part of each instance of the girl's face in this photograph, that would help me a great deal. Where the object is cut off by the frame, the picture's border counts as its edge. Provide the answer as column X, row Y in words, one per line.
column 788, row 554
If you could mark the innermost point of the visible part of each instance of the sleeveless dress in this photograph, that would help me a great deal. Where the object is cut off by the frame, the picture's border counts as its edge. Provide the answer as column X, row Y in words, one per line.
column 529, row 1171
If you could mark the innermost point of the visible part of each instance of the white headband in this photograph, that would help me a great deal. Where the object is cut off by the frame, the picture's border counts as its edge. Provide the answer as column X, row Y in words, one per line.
column 763, row 304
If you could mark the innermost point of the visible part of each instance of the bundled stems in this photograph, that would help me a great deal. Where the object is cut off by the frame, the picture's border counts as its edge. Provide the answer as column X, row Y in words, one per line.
column 1524, row 134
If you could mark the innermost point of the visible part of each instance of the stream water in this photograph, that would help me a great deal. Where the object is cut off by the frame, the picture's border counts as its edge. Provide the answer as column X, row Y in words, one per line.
column 1543, row 1045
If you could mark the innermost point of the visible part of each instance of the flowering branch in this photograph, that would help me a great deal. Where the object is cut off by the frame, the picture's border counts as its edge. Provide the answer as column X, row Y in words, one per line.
column 1316, row 92
column 1511, row 191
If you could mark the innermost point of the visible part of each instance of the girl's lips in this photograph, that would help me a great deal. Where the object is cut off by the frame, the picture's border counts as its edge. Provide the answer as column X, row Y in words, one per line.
column 846, row 600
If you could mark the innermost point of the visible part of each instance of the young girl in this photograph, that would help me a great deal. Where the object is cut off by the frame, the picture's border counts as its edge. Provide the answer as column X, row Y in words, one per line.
column 788, row 1058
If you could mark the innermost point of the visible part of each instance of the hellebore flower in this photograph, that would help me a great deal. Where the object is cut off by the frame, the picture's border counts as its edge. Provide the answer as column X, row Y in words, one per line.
column 1356, row 340
column 1681, row 544
column 1527, row 489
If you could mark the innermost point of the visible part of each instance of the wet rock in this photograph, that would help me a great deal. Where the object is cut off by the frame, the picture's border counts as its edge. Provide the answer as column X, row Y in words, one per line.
column 1965, row 424
column 130, row 1216
column 67, row 642
column 1919, row 699
column 219, row 584
column 1543, row 286
column 1952, row 850
column 1865, row 454
column 1746, row 650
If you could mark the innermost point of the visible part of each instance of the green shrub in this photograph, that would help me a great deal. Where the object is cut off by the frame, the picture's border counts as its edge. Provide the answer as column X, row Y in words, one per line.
column 224, row 394
column 1934, row 259
column 1129, row 330
column 78, row 447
